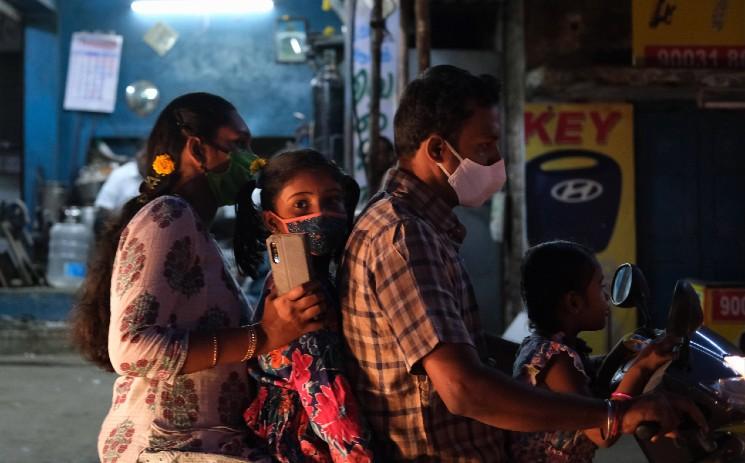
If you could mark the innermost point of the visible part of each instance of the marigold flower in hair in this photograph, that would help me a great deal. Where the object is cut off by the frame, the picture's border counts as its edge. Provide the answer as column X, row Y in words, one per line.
column 163, row 164
column 256, row 165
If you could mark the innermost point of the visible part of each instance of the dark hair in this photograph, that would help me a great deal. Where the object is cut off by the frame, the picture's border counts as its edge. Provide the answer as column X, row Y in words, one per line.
column 280, row 169
column 193, row 114
column 549, row 271
column 439, row 101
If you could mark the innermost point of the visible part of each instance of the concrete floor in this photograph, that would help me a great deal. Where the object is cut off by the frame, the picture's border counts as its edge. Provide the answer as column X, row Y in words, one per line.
column 625, row 450
column 51, row 407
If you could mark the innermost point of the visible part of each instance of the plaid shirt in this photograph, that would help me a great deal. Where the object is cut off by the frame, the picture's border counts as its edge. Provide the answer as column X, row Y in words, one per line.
column 404, row 290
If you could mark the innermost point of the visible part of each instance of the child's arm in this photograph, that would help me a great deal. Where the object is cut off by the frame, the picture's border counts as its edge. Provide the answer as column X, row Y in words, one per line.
column 652, row 357
column 560, row 375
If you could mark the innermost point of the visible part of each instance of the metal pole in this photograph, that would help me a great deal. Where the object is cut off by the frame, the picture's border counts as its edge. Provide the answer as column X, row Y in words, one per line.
column 514, row 109
column 373, row 151
column 422, row 34
column 349, row 158
column 403, row 47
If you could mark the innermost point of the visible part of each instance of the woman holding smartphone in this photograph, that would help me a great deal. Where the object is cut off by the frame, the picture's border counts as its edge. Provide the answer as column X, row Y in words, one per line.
column 159, row 308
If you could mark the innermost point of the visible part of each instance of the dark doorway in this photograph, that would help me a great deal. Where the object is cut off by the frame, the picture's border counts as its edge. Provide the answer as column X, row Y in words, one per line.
column 690, row 177
column 11, row 106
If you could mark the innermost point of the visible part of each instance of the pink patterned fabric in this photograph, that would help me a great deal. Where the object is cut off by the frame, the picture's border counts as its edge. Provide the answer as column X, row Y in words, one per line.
column 168, row 279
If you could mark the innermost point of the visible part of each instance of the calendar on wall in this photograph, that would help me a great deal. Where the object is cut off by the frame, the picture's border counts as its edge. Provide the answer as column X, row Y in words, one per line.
column 93, row 72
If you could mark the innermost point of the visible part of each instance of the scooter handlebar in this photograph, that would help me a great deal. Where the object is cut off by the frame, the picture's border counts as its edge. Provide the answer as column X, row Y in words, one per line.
column 647, row 430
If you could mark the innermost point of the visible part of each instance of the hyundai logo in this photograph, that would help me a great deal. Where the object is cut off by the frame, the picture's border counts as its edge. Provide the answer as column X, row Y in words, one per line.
column 576, row 190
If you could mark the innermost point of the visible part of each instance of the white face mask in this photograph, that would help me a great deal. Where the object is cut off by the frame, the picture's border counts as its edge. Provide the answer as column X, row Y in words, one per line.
column 473, row 183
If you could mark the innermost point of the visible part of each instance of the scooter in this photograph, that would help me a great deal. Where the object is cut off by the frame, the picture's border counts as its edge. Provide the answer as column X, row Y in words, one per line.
column 708, row 369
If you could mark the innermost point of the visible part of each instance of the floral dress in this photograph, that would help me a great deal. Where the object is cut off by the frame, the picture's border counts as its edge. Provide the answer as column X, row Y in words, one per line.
column 305, row 409
column 558, row 446
column 169, row 279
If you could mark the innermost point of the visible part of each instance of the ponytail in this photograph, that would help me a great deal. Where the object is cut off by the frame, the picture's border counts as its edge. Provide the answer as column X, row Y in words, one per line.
column 249, row 234
column 89, row 323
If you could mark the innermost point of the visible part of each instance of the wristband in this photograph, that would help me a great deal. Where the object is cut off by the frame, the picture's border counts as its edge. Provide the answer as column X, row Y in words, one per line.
column 612, row 421
column 620, row 396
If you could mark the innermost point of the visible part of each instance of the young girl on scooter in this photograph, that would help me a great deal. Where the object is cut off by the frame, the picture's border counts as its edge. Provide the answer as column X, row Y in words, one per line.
column 565, row 293
column 305, row 410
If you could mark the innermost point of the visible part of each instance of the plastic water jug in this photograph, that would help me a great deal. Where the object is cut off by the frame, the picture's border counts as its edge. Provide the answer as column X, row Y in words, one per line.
column 68, row 251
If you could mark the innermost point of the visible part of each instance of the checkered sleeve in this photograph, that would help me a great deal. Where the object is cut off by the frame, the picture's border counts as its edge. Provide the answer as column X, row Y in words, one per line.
column 415, row 285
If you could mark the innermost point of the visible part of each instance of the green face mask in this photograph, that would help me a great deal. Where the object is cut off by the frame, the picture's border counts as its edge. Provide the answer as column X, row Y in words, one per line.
column 226, row 185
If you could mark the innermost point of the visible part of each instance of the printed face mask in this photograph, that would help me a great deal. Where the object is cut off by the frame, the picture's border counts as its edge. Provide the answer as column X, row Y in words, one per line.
column 326, row 231
column 473, row 183
column 226, row 185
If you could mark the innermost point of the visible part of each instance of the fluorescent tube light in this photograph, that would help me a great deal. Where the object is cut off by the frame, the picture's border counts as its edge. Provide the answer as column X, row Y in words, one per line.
column 721, row 98
column 201, row 7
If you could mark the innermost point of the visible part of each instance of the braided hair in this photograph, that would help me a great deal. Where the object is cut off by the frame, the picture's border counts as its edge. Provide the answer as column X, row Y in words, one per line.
column 195, row 114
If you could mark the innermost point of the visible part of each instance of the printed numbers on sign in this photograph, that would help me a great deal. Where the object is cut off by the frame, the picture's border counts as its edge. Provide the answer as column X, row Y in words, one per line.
column 676, row 57
column 732, row 305
column 728, row 305
column 735, row 58
column 696, row 56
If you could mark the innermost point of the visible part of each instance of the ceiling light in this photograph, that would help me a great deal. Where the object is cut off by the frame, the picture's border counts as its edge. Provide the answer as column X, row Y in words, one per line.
column 201, row 7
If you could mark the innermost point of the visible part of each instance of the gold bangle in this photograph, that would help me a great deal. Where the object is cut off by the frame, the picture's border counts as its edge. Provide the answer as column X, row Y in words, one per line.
column 251, row 349
column 214, row 350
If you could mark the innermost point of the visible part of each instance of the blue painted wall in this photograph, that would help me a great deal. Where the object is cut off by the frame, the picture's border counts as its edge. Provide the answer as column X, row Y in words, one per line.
column 41, row 116
column 230, row 56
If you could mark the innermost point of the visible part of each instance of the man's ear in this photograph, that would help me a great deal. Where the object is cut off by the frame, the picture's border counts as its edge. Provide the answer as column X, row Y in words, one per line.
column 433, row 146
column 272, row 222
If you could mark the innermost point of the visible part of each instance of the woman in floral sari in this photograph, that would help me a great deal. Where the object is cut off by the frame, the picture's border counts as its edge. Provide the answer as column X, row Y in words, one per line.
column 159, row 308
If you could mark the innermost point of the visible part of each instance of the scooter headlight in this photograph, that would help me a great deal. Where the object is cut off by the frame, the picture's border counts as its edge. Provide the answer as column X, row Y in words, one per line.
column 736, row 363
column 732, row 390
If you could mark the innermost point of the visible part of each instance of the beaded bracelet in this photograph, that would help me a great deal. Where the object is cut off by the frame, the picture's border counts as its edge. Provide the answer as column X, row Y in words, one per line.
column 251, row 349
column 214, row 350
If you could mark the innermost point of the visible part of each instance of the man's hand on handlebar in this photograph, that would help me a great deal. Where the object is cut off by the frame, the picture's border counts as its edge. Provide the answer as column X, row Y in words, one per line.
column 663, row 412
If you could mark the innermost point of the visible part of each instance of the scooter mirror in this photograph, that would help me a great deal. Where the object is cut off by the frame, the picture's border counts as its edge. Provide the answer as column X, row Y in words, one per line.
column 621, row 286
column 685, row 315
column 629, row 289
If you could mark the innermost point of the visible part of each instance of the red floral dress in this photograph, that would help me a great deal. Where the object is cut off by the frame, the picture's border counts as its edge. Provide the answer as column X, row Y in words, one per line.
column 305, row 409
column 168, row 279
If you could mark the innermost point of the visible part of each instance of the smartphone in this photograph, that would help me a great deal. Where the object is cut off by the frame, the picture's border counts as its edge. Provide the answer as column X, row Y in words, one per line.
column 289, row 257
